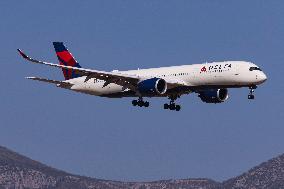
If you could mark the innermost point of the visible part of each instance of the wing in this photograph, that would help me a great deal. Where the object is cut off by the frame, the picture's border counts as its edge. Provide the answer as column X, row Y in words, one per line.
column 125, row 80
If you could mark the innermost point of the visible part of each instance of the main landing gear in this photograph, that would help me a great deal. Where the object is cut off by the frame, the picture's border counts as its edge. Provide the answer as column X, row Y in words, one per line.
column 251, row 90
column 140, row 102
column 172, row 105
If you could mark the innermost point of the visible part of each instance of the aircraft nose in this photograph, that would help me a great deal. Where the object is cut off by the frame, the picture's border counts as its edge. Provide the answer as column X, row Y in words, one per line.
column 262, row 77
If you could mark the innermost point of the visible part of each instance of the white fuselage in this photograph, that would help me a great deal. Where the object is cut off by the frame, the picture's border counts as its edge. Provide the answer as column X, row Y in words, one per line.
column 220, row 74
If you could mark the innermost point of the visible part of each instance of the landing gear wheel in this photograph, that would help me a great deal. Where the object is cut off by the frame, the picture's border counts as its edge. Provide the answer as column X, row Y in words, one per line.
column 172, row 107
column 140, row 103
column 146, row 104
column 166, row 106
column 251, row 97
column 134, row 102
column 178, row 108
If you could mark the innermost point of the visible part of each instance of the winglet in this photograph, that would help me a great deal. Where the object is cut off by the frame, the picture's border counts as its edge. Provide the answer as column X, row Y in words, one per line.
column 30, row 77
column 23, row 54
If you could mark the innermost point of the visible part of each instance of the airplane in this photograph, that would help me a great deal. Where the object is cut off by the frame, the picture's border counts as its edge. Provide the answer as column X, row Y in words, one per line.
column 209, row 80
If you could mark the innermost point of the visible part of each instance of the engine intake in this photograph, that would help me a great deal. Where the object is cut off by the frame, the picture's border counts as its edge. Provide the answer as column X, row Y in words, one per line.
column 153, row 86
column 214, row 95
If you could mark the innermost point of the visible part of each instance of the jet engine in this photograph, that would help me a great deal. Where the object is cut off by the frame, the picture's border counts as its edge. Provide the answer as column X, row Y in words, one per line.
column 214, row 95
column 153, row 86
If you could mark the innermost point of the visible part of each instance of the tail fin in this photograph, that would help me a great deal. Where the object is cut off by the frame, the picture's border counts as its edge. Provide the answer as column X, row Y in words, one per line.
column 66, row 58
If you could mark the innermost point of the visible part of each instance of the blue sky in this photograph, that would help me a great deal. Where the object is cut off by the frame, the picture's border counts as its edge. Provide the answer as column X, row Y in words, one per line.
column 110, row 139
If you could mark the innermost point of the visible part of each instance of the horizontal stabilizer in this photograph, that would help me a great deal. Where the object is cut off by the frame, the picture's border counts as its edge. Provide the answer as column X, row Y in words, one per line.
column 58, row 83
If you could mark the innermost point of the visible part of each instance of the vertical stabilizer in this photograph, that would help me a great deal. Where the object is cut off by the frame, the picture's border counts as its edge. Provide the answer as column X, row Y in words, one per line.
column 66, row 58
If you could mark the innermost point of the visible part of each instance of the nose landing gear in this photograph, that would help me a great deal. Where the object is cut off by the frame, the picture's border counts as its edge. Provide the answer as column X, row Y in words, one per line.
column 251, row 95
column 140, row 102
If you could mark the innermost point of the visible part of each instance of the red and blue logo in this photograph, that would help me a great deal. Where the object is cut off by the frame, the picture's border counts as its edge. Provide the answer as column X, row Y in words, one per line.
column 203, row 69
column 65, row 58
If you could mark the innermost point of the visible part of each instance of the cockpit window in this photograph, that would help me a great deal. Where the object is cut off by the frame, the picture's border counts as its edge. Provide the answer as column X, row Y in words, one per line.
column 254, row 68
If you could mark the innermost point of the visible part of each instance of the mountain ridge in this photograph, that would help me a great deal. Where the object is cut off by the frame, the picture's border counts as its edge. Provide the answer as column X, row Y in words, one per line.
column 20, row 172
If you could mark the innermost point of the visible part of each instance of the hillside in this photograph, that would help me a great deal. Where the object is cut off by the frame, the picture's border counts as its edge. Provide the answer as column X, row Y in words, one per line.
column 20, row 172
column 269, row 174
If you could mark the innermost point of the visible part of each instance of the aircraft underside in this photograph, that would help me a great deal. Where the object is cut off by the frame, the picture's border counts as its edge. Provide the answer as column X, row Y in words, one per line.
column 175, row 93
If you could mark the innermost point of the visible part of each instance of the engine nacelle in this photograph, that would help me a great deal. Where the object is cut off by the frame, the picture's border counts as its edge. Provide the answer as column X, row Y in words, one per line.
column 153, row 86
column 214, row 95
